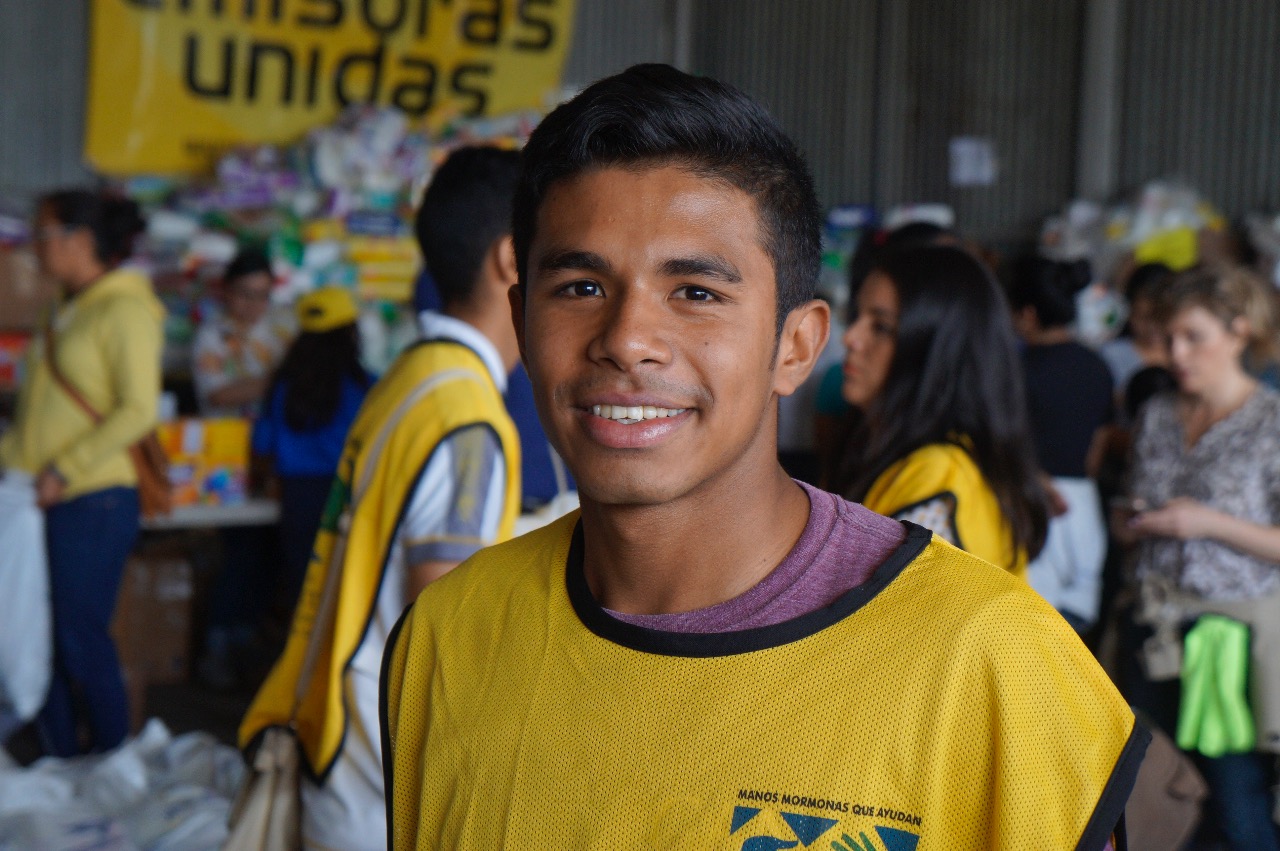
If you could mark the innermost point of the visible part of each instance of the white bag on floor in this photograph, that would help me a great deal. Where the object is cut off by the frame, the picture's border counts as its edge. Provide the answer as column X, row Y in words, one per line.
column 26, row 644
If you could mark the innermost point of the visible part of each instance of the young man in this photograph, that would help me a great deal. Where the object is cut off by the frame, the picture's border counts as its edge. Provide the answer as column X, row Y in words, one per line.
column 430, row 474
column 712, row 655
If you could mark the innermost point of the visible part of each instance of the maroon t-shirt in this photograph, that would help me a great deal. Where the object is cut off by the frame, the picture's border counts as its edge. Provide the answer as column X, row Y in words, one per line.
column 841, row 546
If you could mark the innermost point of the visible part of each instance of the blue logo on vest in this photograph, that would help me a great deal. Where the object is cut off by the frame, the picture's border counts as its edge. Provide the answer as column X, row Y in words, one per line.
column 806, row 828
column 893, row 839
column 897, row 840
column 742, row 815
column 768, row 843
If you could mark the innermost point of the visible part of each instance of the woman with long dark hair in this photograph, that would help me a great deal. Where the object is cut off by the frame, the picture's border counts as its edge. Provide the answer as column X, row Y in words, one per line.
column 91, row 390
column 940, row 435
column 310, row 404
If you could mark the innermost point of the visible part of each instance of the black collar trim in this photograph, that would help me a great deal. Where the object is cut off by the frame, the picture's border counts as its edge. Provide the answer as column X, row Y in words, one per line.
column 707, row 645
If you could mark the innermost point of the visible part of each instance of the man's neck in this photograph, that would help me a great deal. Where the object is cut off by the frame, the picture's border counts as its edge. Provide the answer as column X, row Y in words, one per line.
column 1049, row 336
column 694, row 552
column 494, row 324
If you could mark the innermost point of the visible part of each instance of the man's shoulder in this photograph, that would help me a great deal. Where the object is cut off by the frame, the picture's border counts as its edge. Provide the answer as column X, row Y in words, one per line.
column 929, row 470
column 436, row 369
column 948, row 588
column 528, row 565
column 437, row 376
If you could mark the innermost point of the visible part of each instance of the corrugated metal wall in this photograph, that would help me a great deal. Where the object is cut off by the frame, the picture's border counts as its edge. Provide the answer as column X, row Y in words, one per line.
column 871, row 89
column 813, row 65
column 610, row 35
column 1007, row 71
column 1201, row 99
column 873, row 92
column 42, row 70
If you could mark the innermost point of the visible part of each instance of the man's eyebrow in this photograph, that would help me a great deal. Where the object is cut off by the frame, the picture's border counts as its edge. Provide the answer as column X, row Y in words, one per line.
column 580, row 261
column 702, row 266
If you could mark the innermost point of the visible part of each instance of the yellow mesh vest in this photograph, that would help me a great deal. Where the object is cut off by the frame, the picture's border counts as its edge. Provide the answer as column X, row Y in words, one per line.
column 946, row 470
column 941, row 705
column 431, row 391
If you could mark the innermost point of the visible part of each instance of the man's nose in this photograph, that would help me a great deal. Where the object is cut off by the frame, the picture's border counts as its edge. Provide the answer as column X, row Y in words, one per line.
column 635, row 331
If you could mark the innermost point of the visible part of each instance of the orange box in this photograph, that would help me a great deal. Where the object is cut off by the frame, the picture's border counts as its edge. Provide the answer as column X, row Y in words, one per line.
column 208, row 460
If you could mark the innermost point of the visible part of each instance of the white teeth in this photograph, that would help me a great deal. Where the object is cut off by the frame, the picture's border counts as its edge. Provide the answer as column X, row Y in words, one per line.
column 629, row 414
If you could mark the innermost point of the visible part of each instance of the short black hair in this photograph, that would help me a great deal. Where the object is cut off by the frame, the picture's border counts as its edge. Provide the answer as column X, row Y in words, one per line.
column 467, row 206
column 654, row 116
column 247, row 261
column 1050, row 287
column 114, row 221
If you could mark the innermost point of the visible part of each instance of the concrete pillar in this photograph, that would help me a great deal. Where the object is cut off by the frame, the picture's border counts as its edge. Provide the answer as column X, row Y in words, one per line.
column 1098, row 143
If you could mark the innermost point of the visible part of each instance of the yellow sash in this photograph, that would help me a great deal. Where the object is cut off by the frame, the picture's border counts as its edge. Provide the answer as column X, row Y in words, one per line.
column 431, row 391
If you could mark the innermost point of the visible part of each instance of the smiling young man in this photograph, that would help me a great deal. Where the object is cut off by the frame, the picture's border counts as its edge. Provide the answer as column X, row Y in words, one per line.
column 711, row 655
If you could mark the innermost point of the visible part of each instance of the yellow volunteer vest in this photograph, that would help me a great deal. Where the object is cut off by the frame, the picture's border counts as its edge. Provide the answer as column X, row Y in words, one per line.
column 945, row 470
column 431, row 391
column 942, row 705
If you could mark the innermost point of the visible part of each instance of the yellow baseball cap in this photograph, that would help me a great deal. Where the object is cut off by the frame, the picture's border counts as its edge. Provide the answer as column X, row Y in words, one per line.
column 325, row 309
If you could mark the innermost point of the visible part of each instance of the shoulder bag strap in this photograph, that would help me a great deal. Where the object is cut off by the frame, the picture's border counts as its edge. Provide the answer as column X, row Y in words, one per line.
column 61, row 380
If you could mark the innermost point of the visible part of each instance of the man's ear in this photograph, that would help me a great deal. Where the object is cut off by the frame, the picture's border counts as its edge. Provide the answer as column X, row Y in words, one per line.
column 503, row 257
column 804, row 336
column 515, row 296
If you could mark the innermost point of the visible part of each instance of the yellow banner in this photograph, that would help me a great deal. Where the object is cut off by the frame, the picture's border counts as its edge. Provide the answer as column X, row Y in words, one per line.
column 174, row 82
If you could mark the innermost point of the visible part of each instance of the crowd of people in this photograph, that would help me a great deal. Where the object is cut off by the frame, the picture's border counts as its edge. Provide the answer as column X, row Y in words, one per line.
column 992, row 510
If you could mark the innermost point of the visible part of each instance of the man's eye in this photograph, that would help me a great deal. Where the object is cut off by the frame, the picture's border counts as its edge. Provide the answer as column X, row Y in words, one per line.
column 693, row 293
column 582, row 289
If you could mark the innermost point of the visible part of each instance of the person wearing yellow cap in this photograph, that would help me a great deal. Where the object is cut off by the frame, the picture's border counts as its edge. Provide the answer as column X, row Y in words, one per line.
column 312, row 401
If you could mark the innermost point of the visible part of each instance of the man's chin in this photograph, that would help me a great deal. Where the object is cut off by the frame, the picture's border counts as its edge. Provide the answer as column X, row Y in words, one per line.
column 621, row 495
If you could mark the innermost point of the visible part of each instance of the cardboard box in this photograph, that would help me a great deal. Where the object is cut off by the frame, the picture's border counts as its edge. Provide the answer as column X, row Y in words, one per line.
column 152, row 624
column 25, row 291
column 208, row 460
column 135, row 686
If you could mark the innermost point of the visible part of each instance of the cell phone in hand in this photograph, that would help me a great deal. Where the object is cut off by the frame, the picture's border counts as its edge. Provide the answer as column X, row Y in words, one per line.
column 1129, row 504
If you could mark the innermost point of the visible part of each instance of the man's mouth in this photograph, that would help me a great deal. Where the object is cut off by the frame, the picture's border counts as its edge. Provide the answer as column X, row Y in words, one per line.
column 631, row 414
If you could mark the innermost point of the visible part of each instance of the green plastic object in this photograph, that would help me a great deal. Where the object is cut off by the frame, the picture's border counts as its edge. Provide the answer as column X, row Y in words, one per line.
column 1214, row 717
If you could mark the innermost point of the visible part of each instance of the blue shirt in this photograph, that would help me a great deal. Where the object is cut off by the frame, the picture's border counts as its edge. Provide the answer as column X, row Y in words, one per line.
column 306, row 453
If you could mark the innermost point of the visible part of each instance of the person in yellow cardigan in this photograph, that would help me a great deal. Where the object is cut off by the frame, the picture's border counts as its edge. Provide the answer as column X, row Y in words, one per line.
column 107, row 334
column 941, row 436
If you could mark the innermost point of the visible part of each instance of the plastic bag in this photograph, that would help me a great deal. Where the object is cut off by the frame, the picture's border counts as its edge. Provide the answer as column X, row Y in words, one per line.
column 26, row 643
column 153, row 793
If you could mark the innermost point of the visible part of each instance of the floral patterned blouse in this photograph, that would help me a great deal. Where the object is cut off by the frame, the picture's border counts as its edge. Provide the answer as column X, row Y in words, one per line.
column 1235, row 468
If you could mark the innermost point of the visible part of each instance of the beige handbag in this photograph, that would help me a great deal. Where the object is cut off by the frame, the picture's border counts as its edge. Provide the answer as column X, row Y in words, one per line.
column 267, row 812
column 1167, row 799
column 267, row 815
column 1165, row 608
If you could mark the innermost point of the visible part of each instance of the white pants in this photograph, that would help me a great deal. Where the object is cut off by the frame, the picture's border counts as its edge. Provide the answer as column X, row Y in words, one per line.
column 1068, row 572
column 348, row 813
